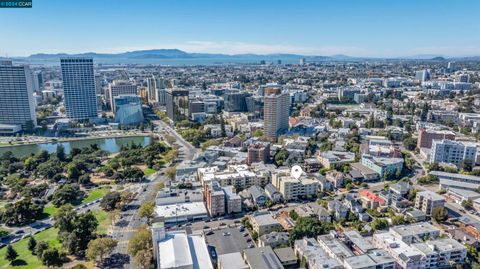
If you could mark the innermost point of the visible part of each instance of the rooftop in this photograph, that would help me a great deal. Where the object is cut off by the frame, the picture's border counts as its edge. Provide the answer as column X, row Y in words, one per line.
column 178, row 250
column 262, row 258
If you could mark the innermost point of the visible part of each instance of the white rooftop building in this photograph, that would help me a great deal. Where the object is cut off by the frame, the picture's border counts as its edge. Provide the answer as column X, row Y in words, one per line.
column 179, row 250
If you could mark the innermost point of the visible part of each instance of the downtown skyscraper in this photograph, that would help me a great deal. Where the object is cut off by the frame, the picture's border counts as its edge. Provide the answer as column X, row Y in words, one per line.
column 17, row 105
column 79, row 88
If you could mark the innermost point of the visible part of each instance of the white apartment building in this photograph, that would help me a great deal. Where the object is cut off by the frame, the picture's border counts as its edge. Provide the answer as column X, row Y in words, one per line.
column 439, row 253
column 426, row 201
column 292, row 188
column 406, row 256
column 17, row 105
column 454, row 152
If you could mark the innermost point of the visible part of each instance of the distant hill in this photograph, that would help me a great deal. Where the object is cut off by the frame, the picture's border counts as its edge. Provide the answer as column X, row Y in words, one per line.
column 131, row 56
column 179, row 54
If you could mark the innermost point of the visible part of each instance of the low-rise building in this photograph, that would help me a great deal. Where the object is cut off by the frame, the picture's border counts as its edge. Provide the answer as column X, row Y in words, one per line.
column 179, row 250
column 441, row 253
column 310, row 250
column 264, row 223
column 406, row 256
column 273, row 239
column 262, row 258
column 426, row 201
column 286, row 256
column 273, row 193
column 231, row 261
column 292, row 188
column 383, row 166
column 416, row 232
column 377, row 259
column 330, row 158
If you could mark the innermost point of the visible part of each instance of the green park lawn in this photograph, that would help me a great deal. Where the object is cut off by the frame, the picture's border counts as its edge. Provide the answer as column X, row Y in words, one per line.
column 25, row 258
column 149, row 171
column 103, row 221
column 95, row 194
column 50, row 236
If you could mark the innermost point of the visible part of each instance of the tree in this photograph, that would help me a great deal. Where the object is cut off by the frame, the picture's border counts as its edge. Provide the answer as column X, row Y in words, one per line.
column 40, row 248
column 398, row 220
column 63, row 219
column 467, row 204
column 60, row 153
column 51, row 257
column 75, row 230
column 258, row 133
column 11, row 254
column 379, row 224
column 293, row 214
column 142, row 240
column 99, row 248
column 147, row 211
column 439, row 214
column 67, row 193
column 171, row 173
column 32, row 243
column 22, row 212
column 143, row 259
column 85, row 226
column 280, row 157
column 309, row 227
column 114, row 216
column 111, row 201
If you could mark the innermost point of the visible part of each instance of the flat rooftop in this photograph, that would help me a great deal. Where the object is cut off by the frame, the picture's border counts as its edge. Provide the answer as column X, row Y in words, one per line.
column 179, row 250
column 414, row 229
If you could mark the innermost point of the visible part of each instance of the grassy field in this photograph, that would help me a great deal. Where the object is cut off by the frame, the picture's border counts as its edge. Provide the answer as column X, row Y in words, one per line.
column 103, row 221
column 28, row 261
column 50, row 209
column 149, row 171
column 25, row 259
column 95, row 194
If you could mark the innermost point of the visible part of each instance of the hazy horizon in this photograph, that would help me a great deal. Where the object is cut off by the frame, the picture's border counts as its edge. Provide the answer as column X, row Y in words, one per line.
column 374, row 28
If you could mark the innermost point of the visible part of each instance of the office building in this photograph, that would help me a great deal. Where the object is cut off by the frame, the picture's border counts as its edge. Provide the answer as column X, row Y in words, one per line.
column 276, row 112
column 128, row 109
column 457, row 153
column 17, row 105
column 120, row 87
column 426, row 137
column 177, row 104
column 422, row 75
column 427, row 201
column 79, row 88
column 235, row 101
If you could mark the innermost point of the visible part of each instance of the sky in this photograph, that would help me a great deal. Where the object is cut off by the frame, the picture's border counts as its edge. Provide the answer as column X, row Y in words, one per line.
column 367, row 28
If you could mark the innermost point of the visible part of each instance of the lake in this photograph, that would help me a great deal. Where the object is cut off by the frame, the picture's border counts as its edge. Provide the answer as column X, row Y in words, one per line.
column 111, row 145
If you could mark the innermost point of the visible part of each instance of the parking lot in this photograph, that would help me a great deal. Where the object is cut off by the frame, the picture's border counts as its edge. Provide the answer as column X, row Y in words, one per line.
column 228, row 240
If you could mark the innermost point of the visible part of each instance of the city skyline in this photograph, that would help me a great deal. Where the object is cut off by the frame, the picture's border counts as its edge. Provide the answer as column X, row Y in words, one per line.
column 354, row 28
